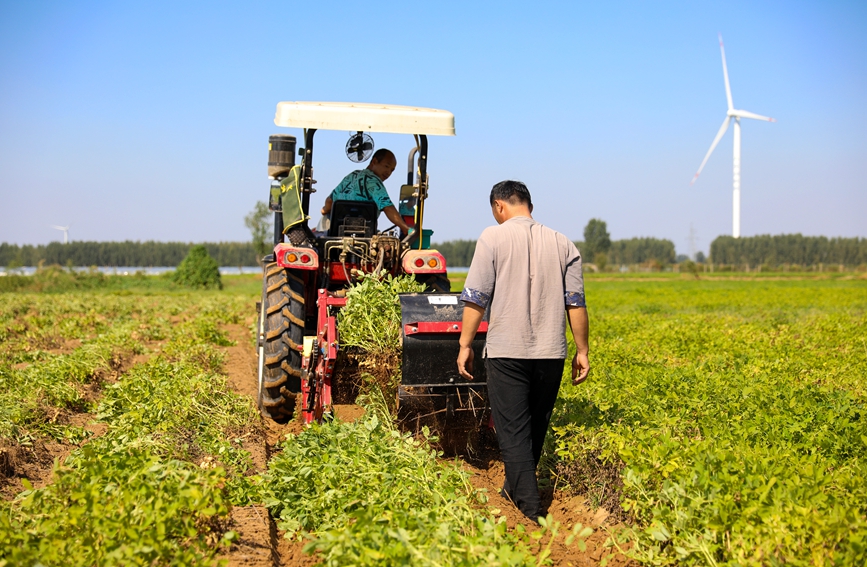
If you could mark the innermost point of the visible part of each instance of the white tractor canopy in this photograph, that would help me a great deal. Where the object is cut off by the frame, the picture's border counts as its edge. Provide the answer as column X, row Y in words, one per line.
column 365, row 117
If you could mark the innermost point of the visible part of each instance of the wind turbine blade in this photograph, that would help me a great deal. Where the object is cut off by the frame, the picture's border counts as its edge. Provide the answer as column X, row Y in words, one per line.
column 722, row 131
column 747, row 114
column 726, row 73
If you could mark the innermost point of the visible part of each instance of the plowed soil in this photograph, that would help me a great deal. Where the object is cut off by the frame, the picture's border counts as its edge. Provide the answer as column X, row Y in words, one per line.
column 35, row 461
column 566, row 509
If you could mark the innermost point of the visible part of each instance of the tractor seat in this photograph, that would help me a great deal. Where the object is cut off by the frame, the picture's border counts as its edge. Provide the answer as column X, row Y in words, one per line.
column 353, row 218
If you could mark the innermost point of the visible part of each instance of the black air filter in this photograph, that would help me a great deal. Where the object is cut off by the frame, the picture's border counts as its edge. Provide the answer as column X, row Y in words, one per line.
column 281, row 154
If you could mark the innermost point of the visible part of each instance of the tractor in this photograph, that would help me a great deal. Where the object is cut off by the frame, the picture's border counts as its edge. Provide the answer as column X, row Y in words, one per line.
column 307, row 275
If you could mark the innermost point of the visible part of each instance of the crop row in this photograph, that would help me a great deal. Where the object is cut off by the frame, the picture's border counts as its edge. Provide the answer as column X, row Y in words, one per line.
column 364, row 493
column 736, row 413
column 156, row 487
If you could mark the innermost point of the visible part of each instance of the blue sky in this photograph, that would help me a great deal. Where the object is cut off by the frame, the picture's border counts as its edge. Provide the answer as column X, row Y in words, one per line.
column 150, row 120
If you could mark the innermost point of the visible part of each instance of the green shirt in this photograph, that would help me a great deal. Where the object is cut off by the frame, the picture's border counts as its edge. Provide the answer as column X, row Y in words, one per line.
column 362, row 185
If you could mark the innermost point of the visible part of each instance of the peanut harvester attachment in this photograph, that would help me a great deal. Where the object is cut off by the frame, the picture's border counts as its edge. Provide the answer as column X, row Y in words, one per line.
column 431, row 392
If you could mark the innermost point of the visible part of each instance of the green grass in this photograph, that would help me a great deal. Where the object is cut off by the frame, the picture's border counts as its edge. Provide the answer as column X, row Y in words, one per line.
column 457, row 280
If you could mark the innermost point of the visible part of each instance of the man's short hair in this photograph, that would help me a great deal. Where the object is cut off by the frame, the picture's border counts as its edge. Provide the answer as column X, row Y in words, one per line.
column 514, row 192
column 381, row 154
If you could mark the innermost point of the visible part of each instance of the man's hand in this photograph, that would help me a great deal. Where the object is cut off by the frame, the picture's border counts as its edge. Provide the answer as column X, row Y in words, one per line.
column 465, row 362
column 580, row 368
column 580, row 332
column 392, row 215
column 469, row 325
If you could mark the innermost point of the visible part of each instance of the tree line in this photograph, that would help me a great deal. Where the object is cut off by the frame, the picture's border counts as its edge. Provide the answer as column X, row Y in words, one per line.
column 788, row 249
column 597, row 248
column 127, row 253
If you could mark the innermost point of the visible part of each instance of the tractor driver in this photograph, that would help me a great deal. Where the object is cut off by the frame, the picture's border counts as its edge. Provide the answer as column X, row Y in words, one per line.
column 366, row 185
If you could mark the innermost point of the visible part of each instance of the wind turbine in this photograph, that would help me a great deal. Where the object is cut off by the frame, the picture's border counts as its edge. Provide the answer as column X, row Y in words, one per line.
column 65, row 230
column 736, row 159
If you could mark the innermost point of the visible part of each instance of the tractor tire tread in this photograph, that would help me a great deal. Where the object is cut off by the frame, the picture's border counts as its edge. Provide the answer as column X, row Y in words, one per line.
column 276, row 286
column 292, row 317
column 295, row 278
column 289, row 370
column 275, row 333
column 272, row 270
column 276, row 383
column 284, row 312
column 291, row 344
column 277, row 306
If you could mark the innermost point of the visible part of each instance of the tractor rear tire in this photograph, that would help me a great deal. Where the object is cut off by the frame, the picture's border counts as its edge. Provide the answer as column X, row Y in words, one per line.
column 283, row 313
column 434, row 283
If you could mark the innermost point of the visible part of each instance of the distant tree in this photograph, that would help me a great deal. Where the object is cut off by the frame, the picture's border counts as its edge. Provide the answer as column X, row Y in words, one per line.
column 458, row 253
column 596, row 239
column 700, row 257
column 641, row 250
column 601, row 260
column 681, row 258
column 198, row 269
column 260, row 222
column 689, row 267
column 788, row 249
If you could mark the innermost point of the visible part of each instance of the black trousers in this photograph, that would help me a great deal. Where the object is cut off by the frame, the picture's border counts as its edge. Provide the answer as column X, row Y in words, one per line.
column 522, row 393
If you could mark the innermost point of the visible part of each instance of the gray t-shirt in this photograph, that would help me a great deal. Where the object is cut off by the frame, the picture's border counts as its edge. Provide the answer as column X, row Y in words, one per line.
column 526, row 274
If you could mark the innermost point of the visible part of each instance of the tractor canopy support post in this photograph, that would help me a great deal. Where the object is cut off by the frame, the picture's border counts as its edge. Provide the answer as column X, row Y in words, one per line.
column 410, row 166
column 422, row 189
column 307, row 172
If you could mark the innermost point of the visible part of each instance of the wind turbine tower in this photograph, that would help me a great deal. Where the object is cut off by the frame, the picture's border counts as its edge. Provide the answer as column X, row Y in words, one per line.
column 735, row 115
column 65, row 230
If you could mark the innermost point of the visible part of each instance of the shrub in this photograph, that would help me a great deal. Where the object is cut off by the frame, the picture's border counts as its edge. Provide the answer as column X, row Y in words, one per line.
column 198, row 269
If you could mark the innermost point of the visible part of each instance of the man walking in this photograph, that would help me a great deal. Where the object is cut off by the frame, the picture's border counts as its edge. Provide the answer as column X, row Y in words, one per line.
column 526, row 274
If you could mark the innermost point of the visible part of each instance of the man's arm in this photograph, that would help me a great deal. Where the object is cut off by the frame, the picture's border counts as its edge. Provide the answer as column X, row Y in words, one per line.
column 472, row 318
column 580, row 325
column 392, row 215
column 327, row 208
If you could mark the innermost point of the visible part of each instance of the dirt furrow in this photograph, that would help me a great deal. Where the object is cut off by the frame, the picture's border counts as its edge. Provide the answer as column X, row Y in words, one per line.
column 260, row 542
column 35, row 459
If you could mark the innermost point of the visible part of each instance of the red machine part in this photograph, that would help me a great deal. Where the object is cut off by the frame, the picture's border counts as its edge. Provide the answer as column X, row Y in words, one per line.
column 424, row 262
column 288, row 256
column 336, row 273
column 316, row 383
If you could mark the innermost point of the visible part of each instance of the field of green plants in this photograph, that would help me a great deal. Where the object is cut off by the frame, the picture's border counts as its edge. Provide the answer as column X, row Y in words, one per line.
column 153, row 483
column 735, row 414
column 724, row 423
